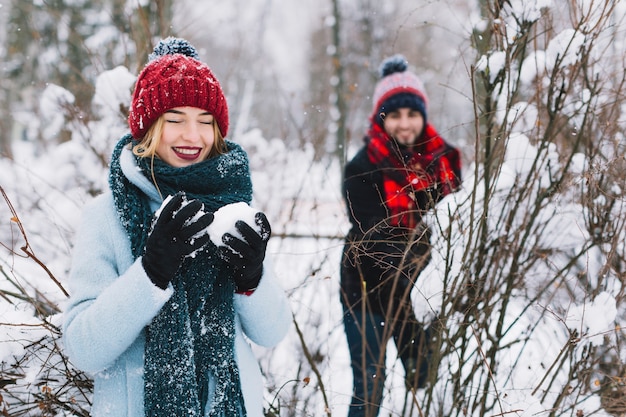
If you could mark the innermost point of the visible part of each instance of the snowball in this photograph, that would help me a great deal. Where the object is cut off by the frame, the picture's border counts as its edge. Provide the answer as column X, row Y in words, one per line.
column 225, row 219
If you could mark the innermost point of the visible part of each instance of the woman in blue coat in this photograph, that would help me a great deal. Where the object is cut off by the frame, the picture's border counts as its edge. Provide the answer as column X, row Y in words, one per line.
column 158, row 312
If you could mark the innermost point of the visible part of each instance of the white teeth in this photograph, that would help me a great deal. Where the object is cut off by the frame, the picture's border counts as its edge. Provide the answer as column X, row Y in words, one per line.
column 187, row 151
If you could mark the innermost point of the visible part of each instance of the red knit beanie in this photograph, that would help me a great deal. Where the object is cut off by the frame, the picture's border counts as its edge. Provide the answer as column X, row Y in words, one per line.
column 174, row 77
column 397, row 88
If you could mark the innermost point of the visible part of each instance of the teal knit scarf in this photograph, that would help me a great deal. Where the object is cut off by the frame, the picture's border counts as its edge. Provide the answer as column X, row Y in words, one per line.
column 193, row 335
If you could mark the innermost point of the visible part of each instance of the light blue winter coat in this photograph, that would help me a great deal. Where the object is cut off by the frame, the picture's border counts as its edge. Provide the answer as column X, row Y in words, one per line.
column 113, row 300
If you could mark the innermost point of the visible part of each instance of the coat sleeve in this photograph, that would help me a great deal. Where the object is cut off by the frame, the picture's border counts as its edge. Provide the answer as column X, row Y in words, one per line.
column 265, row 315
column 111, row 297
column 362, row 194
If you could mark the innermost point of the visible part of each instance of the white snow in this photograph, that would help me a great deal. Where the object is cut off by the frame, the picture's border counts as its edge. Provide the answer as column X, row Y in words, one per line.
column 302, row 199
column 225, row 219
column 563, row 49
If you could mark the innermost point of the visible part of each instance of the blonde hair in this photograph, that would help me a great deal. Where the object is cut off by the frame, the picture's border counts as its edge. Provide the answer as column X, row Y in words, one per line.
column 147, row 146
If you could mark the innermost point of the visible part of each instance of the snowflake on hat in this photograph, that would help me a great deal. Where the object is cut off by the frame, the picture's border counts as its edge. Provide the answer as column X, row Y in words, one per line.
column 175, row 77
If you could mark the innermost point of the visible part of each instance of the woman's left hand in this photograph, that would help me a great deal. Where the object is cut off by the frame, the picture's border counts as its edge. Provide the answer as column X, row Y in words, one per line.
column 246, row 256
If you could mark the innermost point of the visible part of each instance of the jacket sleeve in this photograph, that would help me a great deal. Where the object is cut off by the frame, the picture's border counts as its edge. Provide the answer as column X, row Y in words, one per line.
column 265, row 314
column 111, row 297
column 380, row 250
column 363, row 194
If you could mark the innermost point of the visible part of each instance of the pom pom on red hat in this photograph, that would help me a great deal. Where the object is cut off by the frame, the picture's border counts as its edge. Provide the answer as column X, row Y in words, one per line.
column 398, row 87
column 175, row 77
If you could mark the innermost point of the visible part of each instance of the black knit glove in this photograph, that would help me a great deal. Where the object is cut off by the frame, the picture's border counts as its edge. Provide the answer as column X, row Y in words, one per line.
column 246, row 256
column 171, row 239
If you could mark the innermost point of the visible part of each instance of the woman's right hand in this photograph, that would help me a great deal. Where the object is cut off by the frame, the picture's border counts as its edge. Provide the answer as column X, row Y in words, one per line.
column 172, row 238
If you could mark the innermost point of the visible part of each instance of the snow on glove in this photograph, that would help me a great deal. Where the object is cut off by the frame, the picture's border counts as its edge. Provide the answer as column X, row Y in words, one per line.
column 176, row 233
column 246, row 256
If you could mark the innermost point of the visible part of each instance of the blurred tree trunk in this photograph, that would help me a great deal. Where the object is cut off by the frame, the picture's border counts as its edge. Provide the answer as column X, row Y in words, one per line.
column 6, row 127
column 154, row 20
column 6, row 123
column 485, row 83
column 338, row 83
column 489, row 149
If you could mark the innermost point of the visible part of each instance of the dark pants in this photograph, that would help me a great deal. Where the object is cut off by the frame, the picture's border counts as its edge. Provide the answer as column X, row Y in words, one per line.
column 367, row 336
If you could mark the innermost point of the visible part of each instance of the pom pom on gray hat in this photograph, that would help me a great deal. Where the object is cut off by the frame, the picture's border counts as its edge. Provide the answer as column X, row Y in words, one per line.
column 393, row 64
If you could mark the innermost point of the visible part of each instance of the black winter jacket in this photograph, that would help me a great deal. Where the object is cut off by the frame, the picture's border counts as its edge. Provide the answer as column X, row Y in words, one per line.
column 379, row 260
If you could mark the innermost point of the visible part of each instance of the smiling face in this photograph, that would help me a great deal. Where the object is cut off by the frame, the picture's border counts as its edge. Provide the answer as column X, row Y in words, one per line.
column 405, row 125
column 187, row 138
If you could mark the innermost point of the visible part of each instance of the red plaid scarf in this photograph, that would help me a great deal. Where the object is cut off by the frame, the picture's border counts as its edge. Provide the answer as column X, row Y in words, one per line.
column 432, row 168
